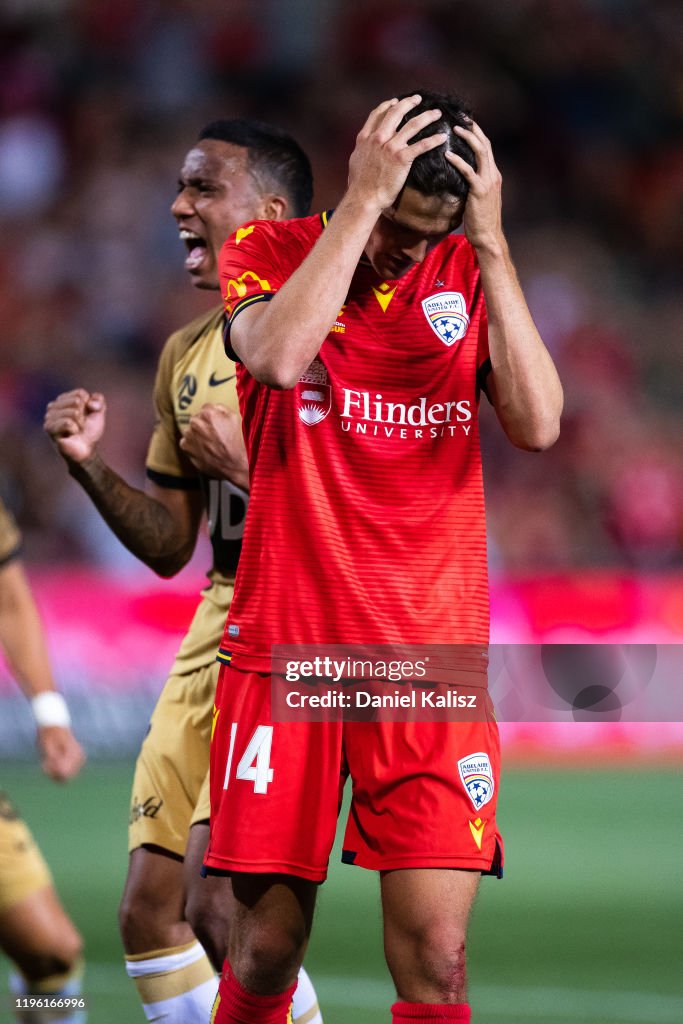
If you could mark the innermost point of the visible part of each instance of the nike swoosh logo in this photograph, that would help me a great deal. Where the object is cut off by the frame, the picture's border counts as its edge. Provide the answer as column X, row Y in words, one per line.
column 214, row 381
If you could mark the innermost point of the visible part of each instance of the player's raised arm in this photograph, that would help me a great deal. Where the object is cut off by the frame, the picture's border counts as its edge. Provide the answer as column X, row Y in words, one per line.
column 277, row 340
column 523, row 384
column 158, row 527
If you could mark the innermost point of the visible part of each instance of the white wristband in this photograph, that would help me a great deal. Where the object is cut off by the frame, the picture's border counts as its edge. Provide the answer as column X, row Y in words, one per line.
column 49, row 708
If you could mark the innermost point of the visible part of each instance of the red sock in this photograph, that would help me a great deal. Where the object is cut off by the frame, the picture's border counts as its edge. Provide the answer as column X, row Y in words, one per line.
column 431, row 1013
column 234, row 1005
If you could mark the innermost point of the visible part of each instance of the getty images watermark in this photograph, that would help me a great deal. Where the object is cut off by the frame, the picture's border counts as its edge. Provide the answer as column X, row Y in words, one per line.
column 465, row 682
column 397, row 682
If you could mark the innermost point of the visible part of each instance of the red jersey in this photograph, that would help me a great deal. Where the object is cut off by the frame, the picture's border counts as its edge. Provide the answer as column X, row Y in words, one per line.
column 366, row 520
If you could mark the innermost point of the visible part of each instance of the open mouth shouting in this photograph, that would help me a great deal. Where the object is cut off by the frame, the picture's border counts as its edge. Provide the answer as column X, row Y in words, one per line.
column 197, row 250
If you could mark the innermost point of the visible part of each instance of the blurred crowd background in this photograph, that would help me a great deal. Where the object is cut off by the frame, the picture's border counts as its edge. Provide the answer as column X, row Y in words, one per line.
column 583, row 100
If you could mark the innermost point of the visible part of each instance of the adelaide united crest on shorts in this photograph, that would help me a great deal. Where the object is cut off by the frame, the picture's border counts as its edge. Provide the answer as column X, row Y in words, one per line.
column 477, row 778
column 314, row 394
column 446, row 314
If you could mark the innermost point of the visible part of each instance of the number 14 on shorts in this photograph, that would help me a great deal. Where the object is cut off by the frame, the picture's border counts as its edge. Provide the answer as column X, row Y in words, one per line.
column 254, row 765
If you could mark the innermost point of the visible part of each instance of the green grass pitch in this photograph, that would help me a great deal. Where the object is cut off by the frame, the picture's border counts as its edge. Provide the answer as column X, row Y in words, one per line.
column 585, row 927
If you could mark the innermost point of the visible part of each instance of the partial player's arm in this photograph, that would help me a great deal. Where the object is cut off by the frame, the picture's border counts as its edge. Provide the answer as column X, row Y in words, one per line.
column 523, row 384
column 159, row 525
column 23, row 641
column 277, row 340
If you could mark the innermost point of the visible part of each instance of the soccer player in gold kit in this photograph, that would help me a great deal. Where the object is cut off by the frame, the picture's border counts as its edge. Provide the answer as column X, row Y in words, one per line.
column 35, row 931
column 237, row 171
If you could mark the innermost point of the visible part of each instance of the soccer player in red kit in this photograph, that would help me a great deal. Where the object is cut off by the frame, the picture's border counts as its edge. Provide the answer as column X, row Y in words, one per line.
column 363, row 340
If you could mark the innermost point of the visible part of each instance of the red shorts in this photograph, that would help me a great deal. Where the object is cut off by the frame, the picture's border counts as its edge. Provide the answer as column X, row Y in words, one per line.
column 424, row 793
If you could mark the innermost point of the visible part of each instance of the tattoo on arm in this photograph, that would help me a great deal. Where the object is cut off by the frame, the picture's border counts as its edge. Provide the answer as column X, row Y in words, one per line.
column 142, row 524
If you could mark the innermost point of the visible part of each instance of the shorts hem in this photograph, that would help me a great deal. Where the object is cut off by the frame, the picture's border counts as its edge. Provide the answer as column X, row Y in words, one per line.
column 201, row 819
column 228, row 865
column 260, row 664
column 487, row 866
column 177, row 848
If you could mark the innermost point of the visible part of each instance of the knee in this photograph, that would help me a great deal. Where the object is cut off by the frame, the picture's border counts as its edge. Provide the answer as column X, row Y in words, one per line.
column 52, row 958
column 128, row 916
column 270, row 928
column 210, row 924
column 443, row 964
column 429, row 965
column 138, row 908
column 70, row 949
column 269, row 960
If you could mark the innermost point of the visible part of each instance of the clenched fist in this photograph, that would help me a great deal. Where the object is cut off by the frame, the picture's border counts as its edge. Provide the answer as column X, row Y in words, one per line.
column 61, row 755
column 214, row 442
column 75, row 423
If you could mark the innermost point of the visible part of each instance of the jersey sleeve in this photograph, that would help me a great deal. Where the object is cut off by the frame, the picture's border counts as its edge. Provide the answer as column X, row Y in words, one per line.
column 10, row 538
column 253, row 264
column 167, row 465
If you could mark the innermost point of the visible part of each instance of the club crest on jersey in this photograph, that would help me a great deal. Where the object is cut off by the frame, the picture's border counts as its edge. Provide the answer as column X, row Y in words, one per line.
column 446, row 314
column 477, row 778
column 314, row 394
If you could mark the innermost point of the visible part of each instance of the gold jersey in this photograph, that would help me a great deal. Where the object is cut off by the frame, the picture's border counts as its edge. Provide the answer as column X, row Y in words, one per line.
column 193, row 371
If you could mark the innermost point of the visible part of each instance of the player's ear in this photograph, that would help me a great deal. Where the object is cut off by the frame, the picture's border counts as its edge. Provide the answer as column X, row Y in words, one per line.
column 459, row 215
column 274, row 207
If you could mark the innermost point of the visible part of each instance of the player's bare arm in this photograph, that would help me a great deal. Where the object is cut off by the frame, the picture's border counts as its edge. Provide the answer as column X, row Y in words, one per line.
column 159, row 525
column 278, row 340
column 523, row 383
column 214, row 442
column 23, row 641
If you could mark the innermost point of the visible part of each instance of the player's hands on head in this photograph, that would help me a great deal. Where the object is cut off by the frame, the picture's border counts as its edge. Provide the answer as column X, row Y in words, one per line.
column 61, row 755
column 483, row 222
column 380, row 163
column 75, row 422
column 214, row 443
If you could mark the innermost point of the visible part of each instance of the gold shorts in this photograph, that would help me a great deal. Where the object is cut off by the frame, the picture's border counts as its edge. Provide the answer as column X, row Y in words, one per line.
column 171, row 782
column 22, row 868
